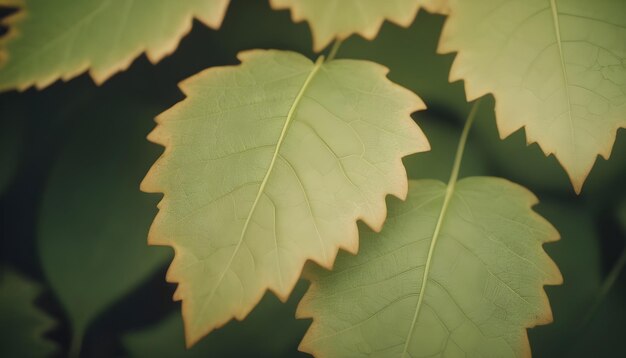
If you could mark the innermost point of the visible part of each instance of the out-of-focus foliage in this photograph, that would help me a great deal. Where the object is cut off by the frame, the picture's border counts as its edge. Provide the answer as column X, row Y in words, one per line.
column 271, row 330
column 579, row 258
column 23, row 324
column 10, row 143
column 94, row 221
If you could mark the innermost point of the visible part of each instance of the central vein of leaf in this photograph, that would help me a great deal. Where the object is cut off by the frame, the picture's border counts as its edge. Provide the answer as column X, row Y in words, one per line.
column 281, row 139
column 444, row 208
column 557, row 31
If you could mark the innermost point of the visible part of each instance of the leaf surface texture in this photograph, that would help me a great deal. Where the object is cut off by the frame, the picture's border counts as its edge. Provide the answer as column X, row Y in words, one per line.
column 63, row 38
column 555, row 67
column 269, row 164
column 338, row 19
column 481, row 287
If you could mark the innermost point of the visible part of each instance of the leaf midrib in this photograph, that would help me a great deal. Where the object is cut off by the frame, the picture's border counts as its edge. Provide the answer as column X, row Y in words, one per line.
column 442, row 213
column 557, row 31
column 281, row 138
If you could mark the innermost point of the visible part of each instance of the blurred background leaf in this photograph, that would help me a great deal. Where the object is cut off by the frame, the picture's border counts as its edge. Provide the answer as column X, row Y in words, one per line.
column 23, row 324
column 94, row 221
column 579, row 258
column 271, row 330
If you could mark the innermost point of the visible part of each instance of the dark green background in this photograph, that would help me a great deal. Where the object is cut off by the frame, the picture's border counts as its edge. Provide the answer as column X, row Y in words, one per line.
column 103, row 129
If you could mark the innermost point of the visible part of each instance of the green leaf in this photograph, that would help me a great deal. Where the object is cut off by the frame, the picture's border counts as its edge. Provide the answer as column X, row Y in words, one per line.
column 455, row 271
column 269, row 164
column 63, row 38
column 23, row 323
column 166, row 339
column 94, row 220
column 557, row 68
column 331, row 19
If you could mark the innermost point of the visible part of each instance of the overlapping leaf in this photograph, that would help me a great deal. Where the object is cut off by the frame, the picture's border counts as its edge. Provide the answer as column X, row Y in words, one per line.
column 456, row 277
column 63, row 38
column 336, row 19
column 23, row 323
column 555, row 67
column 269, row 164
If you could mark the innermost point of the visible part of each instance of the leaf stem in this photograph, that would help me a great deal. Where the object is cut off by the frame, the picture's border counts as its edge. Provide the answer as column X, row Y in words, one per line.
column 444, row 207
column 462, row 141
column 334, row 50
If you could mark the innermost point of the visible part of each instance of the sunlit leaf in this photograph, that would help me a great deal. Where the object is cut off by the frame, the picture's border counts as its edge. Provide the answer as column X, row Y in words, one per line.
column 63, row 38
column 23, row 324
column 269, row 164
column 166, row 340
column 94, row 220
column 556, row 68
column 332, row 19
column 456, row 277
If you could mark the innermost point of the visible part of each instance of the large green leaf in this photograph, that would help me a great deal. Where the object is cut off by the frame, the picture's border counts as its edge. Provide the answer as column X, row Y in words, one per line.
column 332, row 19
column 269, row 164
column 166, row 340
column 63, row 38
column 555, row 67
column 456, row 271
column 23, row 324
column 94, row 220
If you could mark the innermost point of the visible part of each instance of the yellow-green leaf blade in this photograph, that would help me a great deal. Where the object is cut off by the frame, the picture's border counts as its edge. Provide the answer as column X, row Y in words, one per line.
column 484, row 284
column 332, row 19
column 269, row 164
column 24, row 324
column 555, row 67
column 61, row 39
